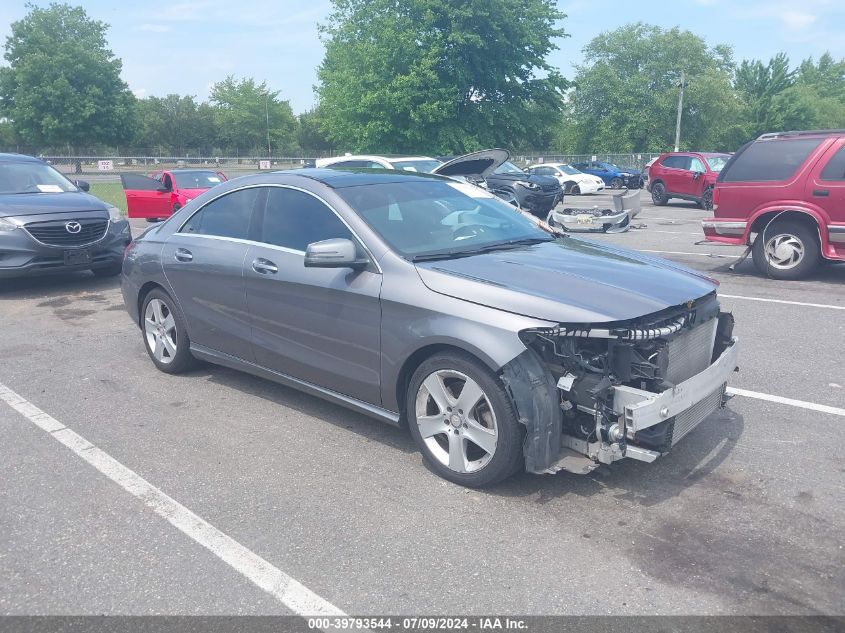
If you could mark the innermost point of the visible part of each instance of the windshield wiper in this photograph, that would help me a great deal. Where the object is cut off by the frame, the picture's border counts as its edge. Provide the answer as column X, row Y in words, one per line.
column 481, row 249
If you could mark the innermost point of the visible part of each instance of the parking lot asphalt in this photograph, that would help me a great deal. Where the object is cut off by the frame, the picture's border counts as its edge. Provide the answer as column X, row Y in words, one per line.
column 744, row 516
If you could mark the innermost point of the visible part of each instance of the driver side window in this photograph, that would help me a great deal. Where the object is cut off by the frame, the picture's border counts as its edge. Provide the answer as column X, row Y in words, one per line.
column 167, row 182
column 293, row 219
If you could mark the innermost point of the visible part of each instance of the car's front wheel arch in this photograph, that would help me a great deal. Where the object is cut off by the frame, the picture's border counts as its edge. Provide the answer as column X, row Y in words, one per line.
column 419, row 356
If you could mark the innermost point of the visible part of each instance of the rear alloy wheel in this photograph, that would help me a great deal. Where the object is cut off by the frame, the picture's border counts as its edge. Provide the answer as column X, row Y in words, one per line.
column 706, row 201
column 786, row 250
column 658, row 194
column 616, row 183
column 165, row 334
column 463, row 421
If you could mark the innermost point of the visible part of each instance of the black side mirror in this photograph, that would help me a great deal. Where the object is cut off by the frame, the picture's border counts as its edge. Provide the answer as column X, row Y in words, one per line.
column 82, row 184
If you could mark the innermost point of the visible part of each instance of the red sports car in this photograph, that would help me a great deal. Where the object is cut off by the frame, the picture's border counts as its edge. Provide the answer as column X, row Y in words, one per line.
column 164, row 192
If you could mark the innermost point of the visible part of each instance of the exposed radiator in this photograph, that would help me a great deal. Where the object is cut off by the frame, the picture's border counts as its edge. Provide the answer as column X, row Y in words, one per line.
column 687, row 420
column 691, row 351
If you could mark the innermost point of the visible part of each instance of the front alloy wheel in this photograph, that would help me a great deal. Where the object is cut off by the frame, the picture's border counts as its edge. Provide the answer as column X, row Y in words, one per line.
column 463, row 421
column 786, row 250
column 616, row 183
column 658, row 194
column 456, row 421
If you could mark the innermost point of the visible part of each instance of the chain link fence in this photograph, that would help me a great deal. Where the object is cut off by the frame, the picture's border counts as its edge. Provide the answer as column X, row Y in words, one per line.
column 103, row 171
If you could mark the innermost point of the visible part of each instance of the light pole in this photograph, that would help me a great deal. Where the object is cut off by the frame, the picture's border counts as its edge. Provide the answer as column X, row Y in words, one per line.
column 267, row 117
column 681, row 85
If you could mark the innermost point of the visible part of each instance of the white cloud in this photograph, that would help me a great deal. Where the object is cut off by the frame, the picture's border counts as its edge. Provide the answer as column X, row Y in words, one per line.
column 140, row 93
column 793, row 19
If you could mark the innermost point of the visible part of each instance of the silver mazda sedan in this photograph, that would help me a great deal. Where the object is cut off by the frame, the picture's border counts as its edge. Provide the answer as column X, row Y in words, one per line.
column 429, row 302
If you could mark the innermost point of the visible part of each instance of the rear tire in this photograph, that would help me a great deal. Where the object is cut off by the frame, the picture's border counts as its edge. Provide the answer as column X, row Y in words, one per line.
column 786, row 249
column 575, row 190
column 706, row 201
column 463, row 421
column 658, row 194
column 165, row 333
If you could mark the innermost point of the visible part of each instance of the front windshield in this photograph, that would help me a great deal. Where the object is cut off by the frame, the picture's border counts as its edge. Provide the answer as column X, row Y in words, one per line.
column 196, row 179
column 32, row 178
column 508, row 168
column 716, row 162
column 568, row 169
column 425, row 166
column 432, row 217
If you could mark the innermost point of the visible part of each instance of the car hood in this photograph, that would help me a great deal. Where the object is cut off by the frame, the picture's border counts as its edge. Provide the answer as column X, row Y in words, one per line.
column 567, row 281
column 481, row 163
column 25, row 204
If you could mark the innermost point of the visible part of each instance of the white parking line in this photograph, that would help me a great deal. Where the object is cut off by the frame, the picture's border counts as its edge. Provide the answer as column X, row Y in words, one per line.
column 792, row 303
column 812, row 406
column 296, row 597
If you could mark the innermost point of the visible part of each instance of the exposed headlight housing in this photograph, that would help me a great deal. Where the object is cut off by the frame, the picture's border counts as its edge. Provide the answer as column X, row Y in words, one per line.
column 527, row 185
column 6, row 226
column 115, row 214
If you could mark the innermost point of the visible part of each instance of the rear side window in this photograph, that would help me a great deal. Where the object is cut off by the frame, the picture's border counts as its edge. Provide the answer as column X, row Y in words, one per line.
column 227, row 216
column 835, row 168
column 294, row 219
column 675, row 162
column 769, row 160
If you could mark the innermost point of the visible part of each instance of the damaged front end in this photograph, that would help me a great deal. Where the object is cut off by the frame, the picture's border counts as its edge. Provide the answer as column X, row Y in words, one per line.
column 596, row 394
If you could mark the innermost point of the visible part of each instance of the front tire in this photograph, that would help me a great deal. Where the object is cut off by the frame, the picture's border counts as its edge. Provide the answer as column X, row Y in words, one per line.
column 165, row 333
column 658, row 194
column 786, row 250
column 463, row 421
column 616, row 183
column 575, row 190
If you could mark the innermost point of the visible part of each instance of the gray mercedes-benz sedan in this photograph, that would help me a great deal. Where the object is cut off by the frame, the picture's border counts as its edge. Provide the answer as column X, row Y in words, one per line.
column 420, row 300
column 49, row 224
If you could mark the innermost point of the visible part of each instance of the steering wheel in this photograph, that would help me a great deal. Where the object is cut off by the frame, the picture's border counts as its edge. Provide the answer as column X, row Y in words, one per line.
column 469, row 230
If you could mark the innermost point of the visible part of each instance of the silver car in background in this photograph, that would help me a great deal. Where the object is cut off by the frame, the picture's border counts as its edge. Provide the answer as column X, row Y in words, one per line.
column 431, row 303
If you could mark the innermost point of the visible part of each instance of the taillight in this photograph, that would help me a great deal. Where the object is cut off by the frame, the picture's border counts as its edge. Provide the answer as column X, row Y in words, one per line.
column 715, row 198
column 128, row 249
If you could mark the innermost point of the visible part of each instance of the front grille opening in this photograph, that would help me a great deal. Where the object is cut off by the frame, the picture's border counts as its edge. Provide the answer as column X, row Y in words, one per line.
column 56, row 233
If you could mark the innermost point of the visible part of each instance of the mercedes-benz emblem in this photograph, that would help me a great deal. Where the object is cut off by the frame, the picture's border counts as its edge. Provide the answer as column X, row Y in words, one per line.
column 73, row 227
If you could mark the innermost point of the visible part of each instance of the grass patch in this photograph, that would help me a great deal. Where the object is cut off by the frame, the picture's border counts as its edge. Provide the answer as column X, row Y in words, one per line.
column 111, row 193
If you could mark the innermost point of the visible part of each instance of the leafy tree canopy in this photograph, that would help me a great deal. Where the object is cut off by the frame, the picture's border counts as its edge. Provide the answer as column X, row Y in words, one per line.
column 438, row 75
column 63, row 86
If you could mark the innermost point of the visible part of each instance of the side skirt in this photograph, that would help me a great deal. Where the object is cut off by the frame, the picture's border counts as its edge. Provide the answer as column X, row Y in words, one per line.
column 371, row 410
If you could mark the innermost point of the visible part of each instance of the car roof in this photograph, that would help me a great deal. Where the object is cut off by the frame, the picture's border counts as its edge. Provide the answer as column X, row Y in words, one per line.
column 355, row 177
column 794, row 133
column 19, row 158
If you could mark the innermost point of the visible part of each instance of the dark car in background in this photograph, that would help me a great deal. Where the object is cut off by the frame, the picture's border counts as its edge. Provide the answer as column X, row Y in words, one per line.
column 614, row 176
column 685, row 175
column 426, row 301
column 536, row 194
column 784, row 195
column 49, row 224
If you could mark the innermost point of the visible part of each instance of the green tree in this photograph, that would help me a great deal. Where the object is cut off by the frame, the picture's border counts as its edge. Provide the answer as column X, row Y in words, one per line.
column 437, row 75
column 62, row 86
column 176, row 124
column 245, row 110
column 626, row 93
column 310, row 133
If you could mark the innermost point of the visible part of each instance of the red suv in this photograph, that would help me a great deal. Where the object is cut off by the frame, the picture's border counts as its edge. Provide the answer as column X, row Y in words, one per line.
column 784, row 194
column 685, row 175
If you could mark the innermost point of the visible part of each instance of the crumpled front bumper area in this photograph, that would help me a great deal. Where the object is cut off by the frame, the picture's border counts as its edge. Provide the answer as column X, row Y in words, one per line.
column 592, row 219
column 595, row 396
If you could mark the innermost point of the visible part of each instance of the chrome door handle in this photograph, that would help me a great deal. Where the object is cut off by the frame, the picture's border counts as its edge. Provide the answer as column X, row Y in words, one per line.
column 183, row 255
column 264, row 266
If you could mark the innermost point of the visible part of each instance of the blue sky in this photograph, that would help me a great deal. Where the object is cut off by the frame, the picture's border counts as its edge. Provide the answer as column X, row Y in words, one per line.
column 184, row 47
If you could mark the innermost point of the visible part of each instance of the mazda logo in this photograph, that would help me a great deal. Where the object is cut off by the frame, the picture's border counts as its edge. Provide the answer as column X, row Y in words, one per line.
column 73, row 227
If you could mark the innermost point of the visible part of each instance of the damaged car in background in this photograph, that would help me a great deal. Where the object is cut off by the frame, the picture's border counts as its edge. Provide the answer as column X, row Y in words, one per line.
column 501, row 343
